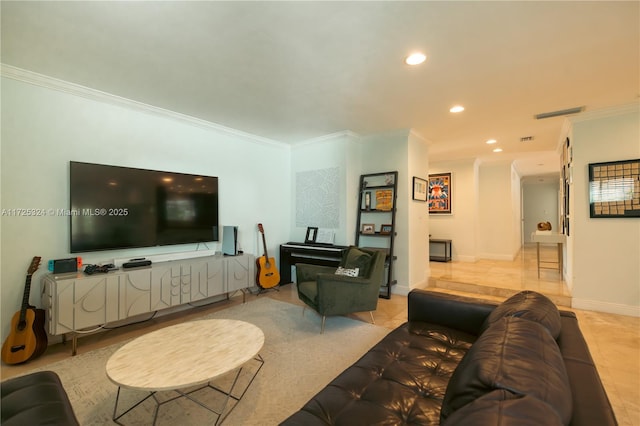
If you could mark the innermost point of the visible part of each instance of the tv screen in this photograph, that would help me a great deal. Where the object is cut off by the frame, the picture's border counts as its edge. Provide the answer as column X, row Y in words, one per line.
column 119, row 207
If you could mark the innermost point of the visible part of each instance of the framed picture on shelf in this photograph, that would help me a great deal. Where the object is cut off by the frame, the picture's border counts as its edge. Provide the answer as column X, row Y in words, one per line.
column 419, row 189
column 440, row 193
column 368, row 228
column 312, row 233
column 385, row 229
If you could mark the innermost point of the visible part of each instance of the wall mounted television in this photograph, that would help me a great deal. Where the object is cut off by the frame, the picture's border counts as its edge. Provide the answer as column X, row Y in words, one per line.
column 116, row 207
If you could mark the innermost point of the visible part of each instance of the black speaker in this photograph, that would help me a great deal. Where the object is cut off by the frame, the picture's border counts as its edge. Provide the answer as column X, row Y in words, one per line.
column 136, row 264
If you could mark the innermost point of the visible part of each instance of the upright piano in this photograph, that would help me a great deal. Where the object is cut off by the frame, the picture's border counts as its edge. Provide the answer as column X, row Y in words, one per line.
column 312, row 253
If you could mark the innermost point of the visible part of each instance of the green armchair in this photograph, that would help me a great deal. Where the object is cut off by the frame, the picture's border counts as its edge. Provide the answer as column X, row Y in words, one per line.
column 330, row 293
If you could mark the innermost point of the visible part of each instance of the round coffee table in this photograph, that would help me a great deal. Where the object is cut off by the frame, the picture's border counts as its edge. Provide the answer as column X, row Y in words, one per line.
column 183, row 356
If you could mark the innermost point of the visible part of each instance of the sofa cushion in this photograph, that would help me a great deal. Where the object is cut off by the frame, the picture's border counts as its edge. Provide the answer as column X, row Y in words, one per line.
column 516, row 355
column 502, row 408
column 528, row 305
column 36, row 399
column 400, row 381
column 358, row 258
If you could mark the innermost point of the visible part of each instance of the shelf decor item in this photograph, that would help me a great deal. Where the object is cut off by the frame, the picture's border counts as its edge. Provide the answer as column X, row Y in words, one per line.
column 383, row 199
column 368, row 228
column 614, row 189
column 440, row 193
column 386, row 229
column 419, row 189
column 312, row 233
column 367, row 200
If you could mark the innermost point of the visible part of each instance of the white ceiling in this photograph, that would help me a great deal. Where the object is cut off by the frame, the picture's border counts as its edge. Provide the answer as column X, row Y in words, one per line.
column 292, row 71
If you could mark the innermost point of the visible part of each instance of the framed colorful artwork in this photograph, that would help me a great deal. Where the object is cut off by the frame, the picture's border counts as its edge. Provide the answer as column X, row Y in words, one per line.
column 440, row 193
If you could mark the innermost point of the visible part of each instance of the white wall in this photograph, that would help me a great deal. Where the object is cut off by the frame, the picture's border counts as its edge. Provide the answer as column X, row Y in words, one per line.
column 496, row 212
column 400, row 151
column 540, row 204
column 605, row 253
column 340, row 150
column 43, row 129
column 418, row 214
column 387, row 152
column 460, row 225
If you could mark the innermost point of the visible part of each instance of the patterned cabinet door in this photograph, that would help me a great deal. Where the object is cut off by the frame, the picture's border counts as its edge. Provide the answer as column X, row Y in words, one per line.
column 207, row 278
column 95, row 301
column 166, row 285
column 135, row 293
column 240, row 272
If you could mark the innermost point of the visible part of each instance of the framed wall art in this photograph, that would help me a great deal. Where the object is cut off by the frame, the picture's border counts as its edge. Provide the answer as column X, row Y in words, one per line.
column 312, row 233
column 614, row 189
column 419, row 189
column 440, row 193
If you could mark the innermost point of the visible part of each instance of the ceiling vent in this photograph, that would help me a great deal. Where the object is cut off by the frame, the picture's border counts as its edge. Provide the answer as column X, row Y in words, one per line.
column 526, row 139
column 559, row 113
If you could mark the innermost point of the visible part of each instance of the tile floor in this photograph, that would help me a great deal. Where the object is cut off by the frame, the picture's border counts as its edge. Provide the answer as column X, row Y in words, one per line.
column 614, row 340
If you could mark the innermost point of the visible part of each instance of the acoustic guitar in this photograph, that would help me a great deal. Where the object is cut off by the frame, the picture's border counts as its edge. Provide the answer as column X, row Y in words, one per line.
column 28, row 338
column 268, row 275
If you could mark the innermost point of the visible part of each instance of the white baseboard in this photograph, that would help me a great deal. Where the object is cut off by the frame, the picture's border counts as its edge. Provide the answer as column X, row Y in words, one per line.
column 491, row 256
column 611, row 308
column 465, row 258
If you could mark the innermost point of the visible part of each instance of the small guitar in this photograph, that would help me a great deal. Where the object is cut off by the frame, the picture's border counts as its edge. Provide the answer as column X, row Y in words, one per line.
column 268, row 275
column 28, row 338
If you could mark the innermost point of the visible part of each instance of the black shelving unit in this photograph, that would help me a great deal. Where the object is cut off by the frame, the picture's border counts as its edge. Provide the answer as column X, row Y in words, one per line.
column 376, row 220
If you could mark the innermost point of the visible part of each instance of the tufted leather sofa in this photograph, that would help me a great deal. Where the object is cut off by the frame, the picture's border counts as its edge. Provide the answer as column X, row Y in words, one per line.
column 459, row 361
column 36, row 399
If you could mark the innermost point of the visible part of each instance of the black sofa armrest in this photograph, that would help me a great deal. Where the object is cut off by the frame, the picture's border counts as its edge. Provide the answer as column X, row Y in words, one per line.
column 458, row 312
column 36, row 399
column 591, row 406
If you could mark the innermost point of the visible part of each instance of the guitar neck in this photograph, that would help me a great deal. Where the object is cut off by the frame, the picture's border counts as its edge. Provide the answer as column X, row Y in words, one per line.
column 264, row 245
column 25, row 298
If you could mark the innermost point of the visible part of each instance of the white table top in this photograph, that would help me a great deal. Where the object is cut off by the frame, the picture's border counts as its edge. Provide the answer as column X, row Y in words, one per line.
column 548, row 238
column 184, row 355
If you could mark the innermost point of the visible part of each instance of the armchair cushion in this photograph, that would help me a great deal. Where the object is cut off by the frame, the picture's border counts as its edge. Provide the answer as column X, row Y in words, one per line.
column 358, row 258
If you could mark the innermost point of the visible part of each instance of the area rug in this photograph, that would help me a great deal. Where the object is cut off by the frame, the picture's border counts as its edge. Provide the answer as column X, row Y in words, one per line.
column 298, row 362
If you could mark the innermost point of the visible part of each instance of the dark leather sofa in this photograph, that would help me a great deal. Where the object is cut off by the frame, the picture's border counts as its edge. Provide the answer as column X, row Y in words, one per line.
column 36, row 399
column 459, row 361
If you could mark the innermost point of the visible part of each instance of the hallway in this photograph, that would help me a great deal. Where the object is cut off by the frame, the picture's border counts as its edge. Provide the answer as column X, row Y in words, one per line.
column 502, row 278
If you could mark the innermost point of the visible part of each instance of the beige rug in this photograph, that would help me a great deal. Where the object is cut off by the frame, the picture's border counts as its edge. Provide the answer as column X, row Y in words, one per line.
column 298, row 362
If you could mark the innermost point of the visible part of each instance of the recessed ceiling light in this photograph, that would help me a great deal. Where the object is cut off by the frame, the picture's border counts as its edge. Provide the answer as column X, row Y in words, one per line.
column 457, row 108
column 415, row 59
column 497, row 150
column 491, row 141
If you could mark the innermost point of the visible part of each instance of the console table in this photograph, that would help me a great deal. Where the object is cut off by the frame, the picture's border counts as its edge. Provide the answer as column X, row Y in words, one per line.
column 314, row 254
column 76, row 302
column 447, row 250
column 550, row 238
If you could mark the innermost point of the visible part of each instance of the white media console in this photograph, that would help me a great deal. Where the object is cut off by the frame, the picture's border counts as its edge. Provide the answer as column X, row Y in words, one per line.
column 76, row 302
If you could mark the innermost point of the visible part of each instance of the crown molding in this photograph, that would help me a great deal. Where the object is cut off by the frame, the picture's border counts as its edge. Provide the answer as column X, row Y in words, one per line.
column 63, row 86
column 330, row 136
column 630, row 108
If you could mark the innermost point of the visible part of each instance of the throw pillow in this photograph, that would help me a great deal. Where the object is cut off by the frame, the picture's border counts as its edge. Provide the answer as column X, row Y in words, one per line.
column 358, row 258
column 348, row 272
column 529, row 305
column 515, row 355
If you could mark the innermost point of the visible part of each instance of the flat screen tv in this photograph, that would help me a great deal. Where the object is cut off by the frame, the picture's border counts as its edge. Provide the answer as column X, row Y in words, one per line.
column 120, row 207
